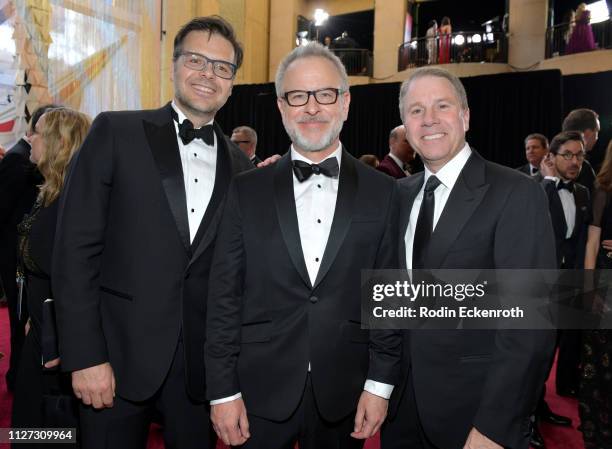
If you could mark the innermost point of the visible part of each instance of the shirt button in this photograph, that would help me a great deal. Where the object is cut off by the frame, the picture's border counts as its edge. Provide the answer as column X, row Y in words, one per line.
column 319, row 186
column 313, row 299
column 317, row 259
column 192, row 210
column 196, row 180
column 318, row 220
column 195, row 154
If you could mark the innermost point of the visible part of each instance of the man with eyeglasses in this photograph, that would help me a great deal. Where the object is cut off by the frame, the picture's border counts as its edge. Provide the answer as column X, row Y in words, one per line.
column 570, row 210
column 287, row 360
column 137, row 225
column 245, row 138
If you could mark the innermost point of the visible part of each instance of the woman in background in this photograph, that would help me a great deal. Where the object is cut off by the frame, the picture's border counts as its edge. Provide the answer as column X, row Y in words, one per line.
column 432, row 47
column 444, row 32
column 581, row 38
column 39, row 387
column 595, row 396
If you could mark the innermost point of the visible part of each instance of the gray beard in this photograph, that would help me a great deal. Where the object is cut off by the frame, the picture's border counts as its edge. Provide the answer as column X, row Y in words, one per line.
column 309, row 146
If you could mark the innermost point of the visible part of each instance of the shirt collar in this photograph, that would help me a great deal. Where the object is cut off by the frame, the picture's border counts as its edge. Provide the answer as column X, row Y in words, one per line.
column 397, row 161
column 182, row 116
column 297, row 156
column 450, row 172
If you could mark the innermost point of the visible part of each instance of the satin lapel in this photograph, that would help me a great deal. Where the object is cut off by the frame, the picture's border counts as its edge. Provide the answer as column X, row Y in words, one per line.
column 164, row 147
column 223, row 174
column 556, row 211
column 467, row 194
column 409, row 189
column 580, row 199
column 343, row 214
column 287, row 214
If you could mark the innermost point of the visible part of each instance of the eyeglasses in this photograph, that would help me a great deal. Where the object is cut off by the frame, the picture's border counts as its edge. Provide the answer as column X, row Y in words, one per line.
column 196, row 61
column 326, row 96
column 238, row 142
column 568, row 156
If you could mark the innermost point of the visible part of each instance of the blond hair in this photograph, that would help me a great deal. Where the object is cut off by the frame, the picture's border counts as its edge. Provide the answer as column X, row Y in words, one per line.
column 63, row 131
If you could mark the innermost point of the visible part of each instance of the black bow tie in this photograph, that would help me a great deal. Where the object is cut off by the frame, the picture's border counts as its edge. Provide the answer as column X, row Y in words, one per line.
column 569, row 186
column 304, row 170
column 187, row 132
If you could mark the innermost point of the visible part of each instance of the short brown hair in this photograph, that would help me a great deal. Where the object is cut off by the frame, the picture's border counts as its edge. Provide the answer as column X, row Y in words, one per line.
column 580, row 120
column 536, row 136
column 214, row 25
column 564, row 137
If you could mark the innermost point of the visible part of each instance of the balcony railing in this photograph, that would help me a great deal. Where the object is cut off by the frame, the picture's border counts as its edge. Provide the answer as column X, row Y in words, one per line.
column 558, row 38
column 466, row 46
column 358, row 61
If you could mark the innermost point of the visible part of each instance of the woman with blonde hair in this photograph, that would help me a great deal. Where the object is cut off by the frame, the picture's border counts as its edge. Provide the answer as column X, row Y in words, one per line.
column 595, row 396
column 42, row 394
column 582, row 38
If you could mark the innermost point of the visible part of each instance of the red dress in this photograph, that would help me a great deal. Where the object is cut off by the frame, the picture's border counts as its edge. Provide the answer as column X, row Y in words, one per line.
column 444, row 45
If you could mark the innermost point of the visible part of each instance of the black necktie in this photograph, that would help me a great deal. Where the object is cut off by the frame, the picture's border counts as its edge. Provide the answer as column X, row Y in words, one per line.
column 424, row 225
column 304, row 170
column 569, row 186
column 187, row 132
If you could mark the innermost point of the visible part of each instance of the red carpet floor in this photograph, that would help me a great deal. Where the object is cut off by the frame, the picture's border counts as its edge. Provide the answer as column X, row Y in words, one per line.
column 556, row 437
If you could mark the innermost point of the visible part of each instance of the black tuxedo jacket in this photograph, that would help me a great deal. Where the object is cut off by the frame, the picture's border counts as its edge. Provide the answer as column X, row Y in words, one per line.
column 390, row 167
column 494, row 218
column 128, row 281
column 19, row 181
column 525, row 169
column 571, row 250
column 266, row 321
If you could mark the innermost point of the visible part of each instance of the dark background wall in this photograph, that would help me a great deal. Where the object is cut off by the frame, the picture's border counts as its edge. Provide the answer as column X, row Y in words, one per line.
column 504, row 108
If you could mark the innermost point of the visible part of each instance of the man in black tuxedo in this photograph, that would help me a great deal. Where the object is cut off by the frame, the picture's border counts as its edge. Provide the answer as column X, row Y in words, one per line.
column 587, row 122
column 466, row 388
column 570, row 209
column 245, row 138
column 136, row 230
column 536, row 148
column 19, row 182
column 287, row 359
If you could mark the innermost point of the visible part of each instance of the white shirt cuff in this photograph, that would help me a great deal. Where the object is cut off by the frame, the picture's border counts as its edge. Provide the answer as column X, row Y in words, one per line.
column 378, row 388
column 551, row 178
column 227, row 399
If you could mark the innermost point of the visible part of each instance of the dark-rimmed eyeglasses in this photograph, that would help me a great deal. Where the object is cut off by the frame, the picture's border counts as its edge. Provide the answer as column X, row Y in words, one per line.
column 568, row 156
column 326, row 96
column 196, row 61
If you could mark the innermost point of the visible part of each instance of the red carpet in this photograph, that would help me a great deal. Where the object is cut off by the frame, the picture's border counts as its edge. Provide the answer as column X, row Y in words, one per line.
column 556, row 437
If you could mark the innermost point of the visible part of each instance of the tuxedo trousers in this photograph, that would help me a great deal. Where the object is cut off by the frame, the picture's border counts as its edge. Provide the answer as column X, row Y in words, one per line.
column 305, row 426
column 185, row 422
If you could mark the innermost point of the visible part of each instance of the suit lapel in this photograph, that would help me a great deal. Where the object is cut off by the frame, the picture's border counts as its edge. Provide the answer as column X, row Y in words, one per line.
column 467, row 194
column 409, row 189
column 164, row 147
column 345, row 202
column 580, row 199
column 287, row 214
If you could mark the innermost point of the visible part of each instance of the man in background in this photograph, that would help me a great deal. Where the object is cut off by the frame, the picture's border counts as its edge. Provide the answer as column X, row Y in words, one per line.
column 245, row 138
column 397, row 163
column 536, row 148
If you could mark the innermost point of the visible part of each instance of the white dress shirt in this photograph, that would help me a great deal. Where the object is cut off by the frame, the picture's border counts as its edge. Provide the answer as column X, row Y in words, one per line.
column 569, row 206
column 448, row 176
column 315, row 204
column 199, row 162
